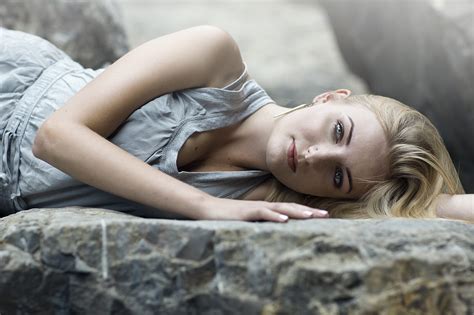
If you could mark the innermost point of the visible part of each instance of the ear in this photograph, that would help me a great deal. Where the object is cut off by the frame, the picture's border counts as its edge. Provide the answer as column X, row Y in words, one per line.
column 332, row 95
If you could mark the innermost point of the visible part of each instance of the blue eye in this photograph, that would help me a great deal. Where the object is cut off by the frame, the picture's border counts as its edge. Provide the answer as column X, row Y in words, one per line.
column 338, row 179
column 339, row 131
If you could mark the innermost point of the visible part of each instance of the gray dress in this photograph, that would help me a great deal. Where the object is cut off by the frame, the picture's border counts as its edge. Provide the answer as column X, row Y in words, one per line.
column 36, row 78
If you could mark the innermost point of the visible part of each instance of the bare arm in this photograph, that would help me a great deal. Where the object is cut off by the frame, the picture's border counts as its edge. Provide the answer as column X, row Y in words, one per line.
column 460, row 207
column 74, row 140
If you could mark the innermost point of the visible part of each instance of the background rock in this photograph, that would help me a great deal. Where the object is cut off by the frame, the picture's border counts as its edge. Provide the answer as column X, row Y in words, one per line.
column 289, row 46
column 90, row 31
column 421, row 53
column 95, row 261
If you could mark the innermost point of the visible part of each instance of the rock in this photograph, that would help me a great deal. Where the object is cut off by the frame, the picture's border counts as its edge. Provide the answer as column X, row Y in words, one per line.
column 97, row 261
column 91, row 32
column 420, row 52
column 289, row 46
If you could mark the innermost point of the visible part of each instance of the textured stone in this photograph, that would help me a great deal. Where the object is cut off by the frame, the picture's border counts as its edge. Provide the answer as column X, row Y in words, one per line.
column 95, row 261
column 90, row 31
column 420, row 52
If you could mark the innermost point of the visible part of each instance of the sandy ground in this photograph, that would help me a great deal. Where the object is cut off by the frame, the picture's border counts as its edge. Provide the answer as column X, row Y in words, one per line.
column 288, row 46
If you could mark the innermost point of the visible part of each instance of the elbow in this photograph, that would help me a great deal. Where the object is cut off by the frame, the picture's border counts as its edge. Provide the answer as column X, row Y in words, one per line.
column 40, row 142
column 35, row 150
column 213, row 28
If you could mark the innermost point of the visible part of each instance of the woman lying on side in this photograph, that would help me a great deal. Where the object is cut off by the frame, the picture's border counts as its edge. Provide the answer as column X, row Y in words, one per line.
column 177, row 128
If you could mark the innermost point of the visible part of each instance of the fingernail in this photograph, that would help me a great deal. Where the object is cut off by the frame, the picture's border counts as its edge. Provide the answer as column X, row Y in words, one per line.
column 307, row 213
column 323, row 212
column 283, row 217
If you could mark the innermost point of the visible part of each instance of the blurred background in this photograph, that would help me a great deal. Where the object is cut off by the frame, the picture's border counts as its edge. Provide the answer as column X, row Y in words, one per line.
column 420, row 52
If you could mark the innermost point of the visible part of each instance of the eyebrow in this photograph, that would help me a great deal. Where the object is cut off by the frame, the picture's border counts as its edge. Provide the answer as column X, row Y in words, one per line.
column 350, row 132
column 350, row 180
column 347, row 143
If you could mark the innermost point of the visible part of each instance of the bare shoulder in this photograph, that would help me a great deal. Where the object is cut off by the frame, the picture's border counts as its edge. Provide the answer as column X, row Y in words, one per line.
column 200, row 56
column 230, row 64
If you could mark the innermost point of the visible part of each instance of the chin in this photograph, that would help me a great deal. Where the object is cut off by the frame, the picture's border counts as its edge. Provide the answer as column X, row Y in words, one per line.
column 293, row 185
column 273, row 156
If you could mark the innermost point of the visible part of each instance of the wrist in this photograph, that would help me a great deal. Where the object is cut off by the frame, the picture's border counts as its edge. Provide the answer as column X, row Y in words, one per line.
column 203, row 206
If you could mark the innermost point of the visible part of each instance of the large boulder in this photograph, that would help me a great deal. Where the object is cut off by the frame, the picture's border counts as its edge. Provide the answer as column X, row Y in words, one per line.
column 90, row 31
column 289, row 46
column 94, row 261
column 420, row 52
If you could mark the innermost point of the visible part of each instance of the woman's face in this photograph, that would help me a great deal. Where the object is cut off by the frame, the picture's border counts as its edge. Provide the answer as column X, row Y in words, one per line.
column 335, row 144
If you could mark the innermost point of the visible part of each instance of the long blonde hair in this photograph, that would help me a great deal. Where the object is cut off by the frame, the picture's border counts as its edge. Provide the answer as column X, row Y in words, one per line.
column 420, row 168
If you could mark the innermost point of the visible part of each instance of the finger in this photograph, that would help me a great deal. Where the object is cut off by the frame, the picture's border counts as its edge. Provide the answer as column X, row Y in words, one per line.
column 294, row 210
column 320, row 213
column 269, row 215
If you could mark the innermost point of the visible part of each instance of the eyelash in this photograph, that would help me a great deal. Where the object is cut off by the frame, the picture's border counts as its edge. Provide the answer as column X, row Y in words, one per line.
column 340, row 177
column 338, row 123
column 338, row 169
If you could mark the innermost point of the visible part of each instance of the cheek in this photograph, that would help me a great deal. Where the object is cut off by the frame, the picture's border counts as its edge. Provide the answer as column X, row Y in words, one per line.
column 313, row 131
column 315, row 183
column 304, row 185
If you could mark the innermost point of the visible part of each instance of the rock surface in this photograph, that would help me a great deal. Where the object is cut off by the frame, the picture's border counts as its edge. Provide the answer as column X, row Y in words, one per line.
column 289, row 46
column 90, row 31
column 94, row 261
column 420, row 52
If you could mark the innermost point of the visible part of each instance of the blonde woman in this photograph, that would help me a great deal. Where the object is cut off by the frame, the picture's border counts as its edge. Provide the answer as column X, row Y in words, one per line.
column 177, row 128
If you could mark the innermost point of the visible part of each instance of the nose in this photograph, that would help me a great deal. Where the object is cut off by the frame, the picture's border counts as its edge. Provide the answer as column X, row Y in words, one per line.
column 322, row 153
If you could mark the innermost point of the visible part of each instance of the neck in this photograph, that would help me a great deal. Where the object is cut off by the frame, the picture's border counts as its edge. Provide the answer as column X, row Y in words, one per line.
column 250, row 141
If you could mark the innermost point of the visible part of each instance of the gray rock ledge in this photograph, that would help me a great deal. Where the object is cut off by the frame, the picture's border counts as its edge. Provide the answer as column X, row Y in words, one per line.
column 90, row 31
column 96, row 261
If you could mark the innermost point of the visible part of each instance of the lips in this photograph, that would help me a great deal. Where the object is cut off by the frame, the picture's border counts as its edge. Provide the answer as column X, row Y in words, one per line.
column 291, row 155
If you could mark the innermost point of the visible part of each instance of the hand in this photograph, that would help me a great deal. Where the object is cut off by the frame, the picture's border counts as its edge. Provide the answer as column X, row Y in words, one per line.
column 246, row 210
